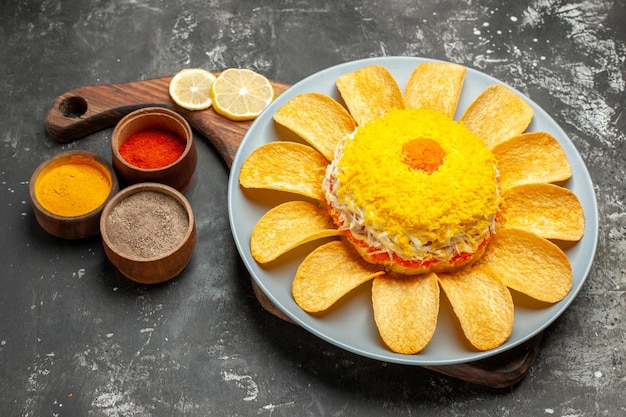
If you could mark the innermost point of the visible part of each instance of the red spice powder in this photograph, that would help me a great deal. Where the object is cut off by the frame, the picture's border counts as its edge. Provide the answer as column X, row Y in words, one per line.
column 152, row 148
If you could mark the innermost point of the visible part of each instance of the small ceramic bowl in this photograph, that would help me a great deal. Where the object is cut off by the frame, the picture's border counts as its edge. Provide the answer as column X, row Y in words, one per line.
column 178, row 174
column 148, row 232
column 60, row 203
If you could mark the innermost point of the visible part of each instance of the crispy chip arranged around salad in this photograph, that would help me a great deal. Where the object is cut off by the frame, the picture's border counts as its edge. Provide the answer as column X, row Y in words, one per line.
column 302, row 169
column 529, row 264
column 435, row 86
column 406, row 310
column 287, row 226
column 497, row 114
column 483, row 305
column 370, row 92
column 328, row 273
column 318, row 119
column 546, row 210
column 531, row 158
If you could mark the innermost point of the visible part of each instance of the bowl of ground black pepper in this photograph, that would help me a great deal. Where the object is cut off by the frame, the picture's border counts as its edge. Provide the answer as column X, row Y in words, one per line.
column 154, row 144
column 69, row 191
column 148, row 232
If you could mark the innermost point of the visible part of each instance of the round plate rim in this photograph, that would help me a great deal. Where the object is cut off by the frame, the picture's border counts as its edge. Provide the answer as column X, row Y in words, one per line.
column 581, row 178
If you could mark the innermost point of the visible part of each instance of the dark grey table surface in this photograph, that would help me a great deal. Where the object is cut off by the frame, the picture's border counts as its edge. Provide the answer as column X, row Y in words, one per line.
column 78, row 339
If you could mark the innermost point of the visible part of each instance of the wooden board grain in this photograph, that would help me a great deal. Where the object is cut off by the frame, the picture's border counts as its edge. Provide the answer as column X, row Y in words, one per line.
column 88, row 109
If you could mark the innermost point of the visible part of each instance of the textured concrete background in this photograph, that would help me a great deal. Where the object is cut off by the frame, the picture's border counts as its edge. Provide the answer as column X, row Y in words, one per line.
column 77, row 339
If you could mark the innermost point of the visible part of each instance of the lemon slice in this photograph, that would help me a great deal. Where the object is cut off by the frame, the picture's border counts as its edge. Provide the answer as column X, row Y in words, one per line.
column 241, row 94
column 190, row 88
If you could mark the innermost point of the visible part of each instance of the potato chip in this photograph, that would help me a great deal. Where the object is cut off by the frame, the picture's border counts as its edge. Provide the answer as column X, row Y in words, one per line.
column 483, row 305
column 287, row 226
column 285, row 166
column 369, row 93
column 546, row 210
column 497, row 114
column 435, row 86
column 531, row 158
column 406, row 310
column 318, row 119
column 529, row 264
column 328, row 273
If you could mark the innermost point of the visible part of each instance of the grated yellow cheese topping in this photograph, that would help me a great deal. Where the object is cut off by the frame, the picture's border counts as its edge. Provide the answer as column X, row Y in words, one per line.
column 410, row 211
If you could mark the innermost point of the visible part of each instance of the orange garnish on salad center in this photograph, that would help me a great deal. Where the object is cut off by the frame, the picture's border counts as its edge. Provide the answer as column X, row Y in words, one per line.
column 423, row 154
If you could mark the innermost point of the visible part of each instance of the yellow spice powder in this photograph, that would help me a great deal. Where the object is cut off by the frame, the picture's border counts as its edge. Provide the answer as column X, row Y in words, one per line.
column 73, row 187
column 407, row 202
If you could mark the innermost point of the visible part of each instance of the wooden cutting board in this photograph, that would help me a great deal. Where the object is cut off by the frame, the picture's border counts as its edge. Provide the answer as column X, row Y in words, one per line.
column 88, row 109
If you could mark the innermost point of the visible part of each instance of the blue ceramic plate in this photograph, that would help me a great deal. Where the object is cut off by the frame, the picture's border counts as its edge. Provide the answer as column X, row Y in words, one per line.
column 350, row 324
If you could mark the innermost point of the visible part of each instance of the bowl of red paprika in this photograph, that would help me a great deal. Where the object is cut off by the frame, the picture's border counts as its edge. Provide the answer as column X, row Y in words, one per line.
column 69, row 191
column 154, row 144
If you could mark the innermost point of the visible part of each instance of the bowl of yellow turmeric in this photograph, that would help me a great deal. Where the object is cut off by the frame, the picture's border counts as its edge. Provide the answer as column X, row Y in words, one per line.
column 69, row 191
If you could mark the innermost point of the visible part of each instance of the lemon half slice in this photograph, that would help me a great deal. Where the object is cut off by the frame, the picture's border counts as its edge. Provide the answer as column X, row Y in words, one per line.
column 241, row 94
column 190, row 88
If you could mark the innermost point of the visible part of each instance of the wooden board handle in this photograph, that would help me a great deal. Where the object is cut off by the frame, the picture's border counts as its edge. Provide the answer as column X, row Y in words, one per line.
column 88, row 109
